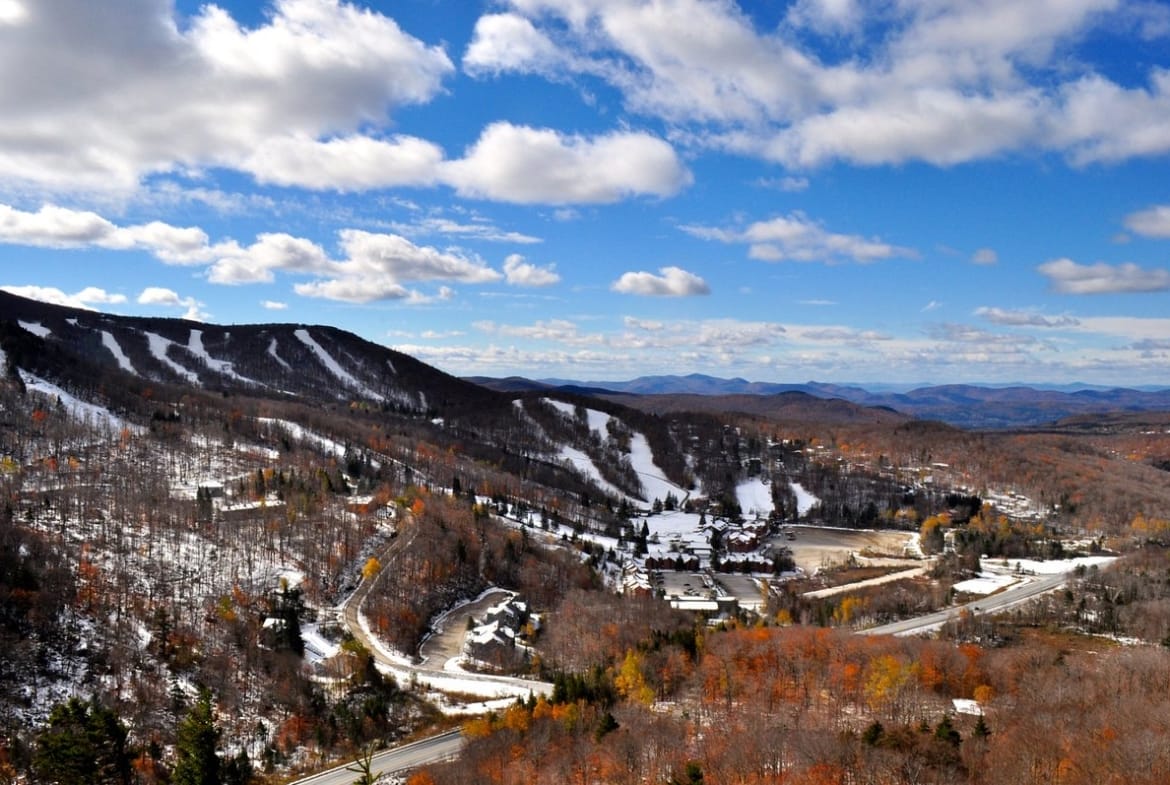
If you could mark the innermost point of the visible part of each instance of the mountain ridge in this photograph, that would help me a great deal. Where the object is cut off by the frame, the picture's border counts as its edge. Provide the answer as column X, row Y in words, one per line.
column 964, row 405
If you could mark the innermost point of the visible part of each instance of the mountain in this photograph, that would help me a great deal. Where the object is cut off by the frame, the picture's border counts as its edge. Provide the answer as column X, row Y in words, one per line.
column 962, row 405
column 109, row 355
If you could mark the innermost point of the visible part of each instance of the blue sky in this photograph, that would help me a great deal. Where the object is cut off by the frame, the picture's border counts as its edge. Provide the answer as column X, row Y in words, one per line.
column 907, row 191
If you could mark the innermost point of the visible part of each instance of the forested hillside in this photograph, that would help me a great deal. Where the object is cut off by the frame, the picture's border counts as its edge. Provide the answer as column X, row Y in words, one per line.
column 211, row 562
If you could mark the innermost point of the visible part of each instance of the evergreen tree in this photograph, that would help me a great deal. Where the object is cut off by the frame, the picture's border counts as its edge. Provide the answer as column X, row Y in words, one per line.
column 84, row 744
column 198, row 761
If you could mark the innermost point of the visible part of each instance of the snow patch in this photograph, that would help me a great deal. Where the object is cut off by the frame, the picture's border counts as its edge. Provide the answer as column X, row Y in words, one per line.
column 195, row 346
column 37, row 329
column 111, row 343
column 754, row 497
column 1052, row 567
column 299, row 433
column 342, row 375
column 585, row 465
column 158, row 348
column 985, row 584
column 654, row 482
column 805, row 501
column 277, row 357
column 79, row 409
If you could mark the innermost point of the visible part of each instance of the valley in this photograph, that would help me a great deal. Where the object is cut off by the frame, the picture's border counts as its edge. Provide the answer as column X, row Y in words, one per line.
column 332, row 547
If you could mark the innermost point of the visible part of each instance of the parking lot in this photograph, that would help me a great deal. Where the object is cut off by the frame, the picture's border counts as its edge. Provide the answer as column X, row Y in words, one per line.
column 815, row 548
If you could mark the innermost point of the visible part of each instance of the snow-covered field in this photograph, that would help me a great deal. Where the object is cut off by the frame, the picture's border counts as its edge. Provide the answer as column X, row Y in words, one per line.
column 985, row 584
column 805, row 501
column 754, row 497
column 1033, row 567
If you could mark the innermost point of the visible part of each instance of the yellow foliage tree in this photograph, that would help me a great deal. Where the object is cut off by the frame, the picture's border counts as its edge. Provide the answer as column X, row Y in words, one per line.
column 371, row 568
column 631, row 683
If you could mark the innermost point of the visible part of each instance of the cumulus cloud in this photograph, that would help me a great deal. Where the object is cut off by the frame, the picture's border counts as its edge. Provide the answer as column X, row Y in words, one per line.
column 87, row 298
column 796, row 237
column 1151, row 222
column 521, row 273
column 168, row 298
column 52, row 226
column 942, row 83
column 204, row 91
column 273, row 305
column 1016, row 318
column 256, row 263
column 373, row 266
column 376, row 267
column 508, row 42
column 524, row 165
column 353, row 163
column 1068, row 277
column 670, row 282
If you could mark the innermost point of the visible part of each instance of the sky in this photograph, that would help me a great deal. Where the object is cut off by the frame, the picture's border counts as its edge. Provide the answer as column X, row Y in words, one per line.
column 906, row 191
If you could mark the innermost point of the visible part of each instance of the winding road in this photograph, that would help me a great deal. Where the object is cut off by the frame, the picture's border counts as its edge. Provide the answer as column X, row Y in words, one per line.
column 432, row 749
column 433, row 676
column 994, row 603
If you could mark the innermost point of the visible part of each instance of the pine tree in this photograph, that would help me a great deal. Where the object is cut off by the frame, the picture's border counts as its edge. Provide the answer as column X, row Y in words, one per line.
column 198, row 761
column 85, row 743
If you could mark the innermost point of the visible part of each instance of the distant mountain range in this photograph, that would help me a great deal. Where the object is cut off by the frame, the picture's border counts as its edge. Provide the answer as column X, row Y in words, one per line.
column 117, row 359
column 962, row 405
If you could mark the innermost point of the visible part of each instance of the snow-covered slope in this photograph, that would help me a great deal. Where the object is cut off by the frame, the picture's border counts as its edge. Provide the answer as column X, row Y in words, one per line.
column 111, row 343
column 334, row 367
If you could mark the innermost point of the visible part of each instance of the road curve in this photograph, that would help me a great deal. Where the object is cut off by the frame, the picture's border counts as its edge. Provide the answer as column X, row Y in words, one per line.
column 991, row 604
column 481, row 684
column 432, row 749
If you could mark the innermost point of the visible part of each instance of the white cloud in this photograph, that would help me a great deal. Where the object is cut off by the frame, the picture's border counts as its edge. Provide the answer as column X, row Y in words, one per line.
column 157, row 295
column 271, row 252
column 1069, row 277
column 353, row 163
column 374, row 266
column 512, row 163
column 521, row 273
column 478, row 229
column 870, row 83
column 1151, row 222
column 1026, row 318
column 671, row 282
column 273, row 305
column 1101, row 121
column 508, row 42
column 789, row 184
column 826, row 16
column 86, row 298
column 985, row 256
column 152, row 93
column 168, row 298
column 52, row 226
column 795, row 237
column 377, row 265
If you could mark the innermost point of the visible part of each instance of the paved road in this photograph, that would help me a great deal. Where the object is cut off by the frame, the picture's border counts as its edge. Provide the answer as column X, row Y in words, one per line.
column 993, row 604
column 430, row 674
column 409, row 756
